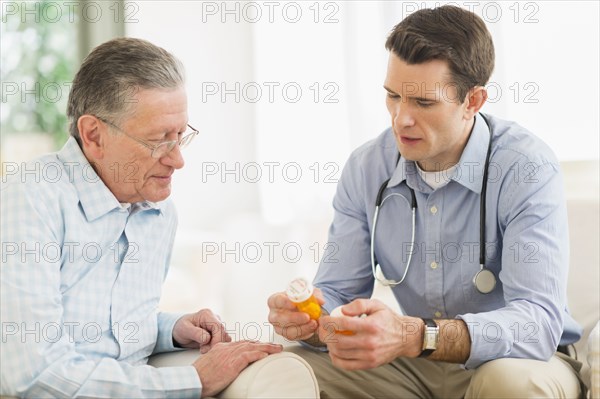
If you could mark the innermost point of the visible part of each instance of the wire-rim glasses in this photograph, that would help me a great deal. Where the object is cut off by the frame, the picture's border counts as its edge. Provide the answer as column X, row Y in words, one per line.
column 161, row 149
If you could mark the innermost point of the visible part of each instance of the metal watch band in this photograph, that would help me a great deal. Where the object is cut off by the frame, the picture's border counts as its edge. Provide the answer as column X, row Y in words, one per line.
column 430, row 337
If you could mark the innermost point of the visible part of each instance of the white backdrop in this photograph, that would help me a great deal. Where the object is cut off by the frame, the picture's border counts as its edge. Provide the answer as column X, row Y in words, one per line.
column 248, row 61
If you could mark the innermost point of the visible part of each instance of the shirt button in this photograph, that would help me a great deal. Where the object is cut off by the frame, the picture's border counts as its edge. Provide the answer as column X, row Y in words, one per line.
column 437, row 314
column 434, row 265
column 433, row 210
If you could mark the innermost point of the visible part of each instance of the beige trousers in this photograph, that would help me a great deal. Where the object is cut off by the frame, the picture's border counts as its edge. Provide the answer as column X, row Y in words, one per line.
column 422, row 378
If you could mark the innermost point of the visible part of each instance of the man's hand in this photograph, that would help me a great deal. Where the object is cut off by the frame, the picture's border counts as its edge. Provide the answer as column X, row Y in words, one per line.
column 378, row 338
column 290, row 323
column 225, row 361
column 202, row 330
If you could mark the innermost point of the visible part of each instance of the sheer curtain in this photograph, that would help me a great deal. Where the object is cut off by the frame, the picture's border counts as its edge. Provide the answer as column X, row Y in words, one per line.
column 283, row 91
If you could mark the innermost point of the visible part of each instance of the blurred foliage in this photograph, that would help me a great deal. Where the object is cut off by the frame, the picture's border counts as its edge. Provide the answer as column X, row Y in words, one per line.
column 39, row 57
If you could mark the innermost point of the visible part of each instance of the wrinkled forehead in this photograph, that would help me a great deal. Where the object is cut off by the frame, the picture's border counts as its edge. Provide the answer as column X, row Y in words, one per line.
column 160, row 108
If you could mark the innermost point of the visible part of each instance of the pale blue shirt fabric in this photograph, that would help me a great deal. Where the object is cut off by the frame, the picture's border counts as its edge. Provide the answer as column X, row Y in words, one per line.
column 81, row 283
column 527, row 241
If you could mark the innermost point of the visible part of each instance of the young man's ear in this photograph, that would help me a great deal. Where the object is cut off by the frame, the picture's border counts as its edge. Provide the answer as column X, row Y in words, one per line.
column 476, row 97
column 92, row 137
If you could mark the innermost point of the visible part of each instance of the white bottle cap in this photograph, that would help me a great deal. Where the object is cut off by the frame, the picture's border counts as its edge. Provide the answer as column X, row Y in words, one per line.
column 337, row 312
column 299, row 290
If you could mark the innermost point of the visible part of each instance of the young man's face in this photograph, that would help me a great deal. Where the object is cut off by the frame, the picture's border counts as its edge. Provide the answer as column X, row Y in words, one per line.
column 430, row 125
column 127, row 168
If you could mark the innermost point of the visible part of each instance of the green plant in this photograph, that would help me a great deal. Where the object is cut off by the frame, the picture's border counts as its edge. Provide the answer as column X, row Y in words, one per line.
column 39, row 56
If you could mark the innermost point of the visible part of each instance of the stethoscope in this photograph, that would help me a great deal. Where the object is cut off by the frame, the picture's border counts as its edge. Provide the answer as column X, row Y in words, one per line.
column 484, row 280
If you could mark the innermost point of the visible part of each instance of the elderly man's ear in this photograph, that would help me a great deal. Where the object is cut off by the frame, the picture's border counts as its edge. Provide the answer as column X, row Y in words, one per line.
column 93, row 136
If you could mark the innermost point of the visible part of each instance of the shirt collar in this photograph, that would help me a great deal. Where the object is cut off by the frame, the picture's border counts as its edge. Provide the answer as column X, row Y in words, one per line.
column 95, row 198
column 470, row 167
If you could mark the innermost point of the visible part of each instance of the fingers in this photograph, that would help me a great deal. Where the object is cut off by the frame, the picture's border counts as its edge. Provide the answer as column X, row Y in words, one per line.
column 266, row 347
column 353, row 358
column 287, row 320
column 200, row 335
column 355, row 325
column 293, row 325
column 212, row 324
column 279, row 301
column 207, row 317
column 247, row 352
column 319, row 295
column 224, row 362
column 217, row 332
column 362, row 306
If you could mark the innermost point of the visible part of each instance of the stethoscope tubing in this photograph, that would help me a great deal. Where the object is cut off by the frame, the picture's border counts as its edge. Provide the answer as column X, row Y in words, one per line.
column 484, row 280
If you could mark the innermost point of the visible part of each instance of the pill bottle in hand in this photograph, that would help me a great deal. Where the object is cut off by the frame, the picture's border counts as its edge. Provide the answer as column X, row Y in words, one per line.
column 301, row 292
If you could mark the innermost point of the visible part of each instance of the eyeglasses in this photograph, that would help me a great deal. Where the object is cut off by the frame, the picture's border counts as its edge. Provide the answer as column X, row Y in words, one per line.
column 161, row 149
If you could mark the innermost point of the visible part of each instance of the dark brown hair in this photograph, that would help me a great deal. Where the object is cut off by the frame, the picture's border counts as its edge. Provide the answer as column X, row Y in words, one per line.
column 451, row 34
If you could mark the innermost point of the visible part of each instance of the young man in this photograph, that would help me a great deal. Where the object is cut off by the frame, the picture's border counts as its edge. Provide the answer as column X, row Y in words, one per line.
column 86, row 245
column 465, row 214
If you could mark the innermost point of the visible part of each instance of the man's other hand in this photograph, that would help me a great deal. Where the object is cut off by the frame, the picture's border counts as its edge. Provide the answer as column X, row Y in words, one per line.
column 202, row 330
column 225, row 361
column 376, row 339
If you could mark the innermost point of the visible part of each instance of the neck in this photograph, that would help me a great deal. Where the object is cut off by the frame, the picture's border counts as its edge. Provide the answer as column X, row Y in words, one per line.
column 433, row 165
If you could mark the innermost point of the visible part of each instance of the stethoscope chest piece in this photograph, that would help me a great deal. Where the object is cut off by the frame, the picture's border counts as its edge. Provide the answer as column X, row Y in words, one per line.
column 484, row 281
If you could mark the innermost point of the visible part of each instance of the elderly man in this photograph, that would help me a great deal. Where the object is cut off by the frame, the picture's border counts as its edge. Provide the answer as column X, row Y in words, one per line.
column 85, row 251
column 465, row 214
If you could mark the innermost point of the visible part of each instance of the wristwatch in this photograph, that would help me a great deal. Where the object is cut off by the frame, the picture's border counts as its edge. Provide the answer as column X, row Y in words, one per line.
column 430, row 337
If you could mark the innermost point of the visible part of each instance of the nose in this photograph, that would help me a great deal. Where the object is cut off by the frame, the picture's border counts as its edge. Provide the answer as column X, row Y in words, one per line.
column 401, row 115
column 173, row 158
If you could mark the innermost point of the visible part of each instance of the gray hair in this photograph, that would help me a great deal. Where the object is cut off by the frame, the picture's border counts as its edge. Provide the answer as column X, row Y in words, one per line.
column 111, row 75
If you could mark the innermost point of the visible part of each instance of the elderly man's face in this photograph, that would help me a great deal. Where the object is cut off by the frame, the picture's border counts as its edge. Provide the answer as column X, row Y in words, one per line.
column 127, row 167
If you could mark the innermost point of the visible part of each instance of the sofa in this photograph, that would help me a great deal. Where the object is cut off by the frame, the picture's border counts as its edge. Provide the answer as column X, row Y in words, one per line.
column 582, row 189
column 263, row 379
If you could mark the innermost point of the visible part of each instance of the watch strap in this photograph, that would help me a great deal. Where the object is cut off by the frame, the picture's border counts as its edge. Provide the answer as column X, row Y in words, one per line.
column 427, row 349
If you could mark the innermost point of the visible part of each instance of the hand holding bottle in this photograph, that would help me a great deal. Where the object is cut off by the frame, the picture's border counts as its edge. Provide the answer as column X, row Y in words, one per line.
column 285, row 316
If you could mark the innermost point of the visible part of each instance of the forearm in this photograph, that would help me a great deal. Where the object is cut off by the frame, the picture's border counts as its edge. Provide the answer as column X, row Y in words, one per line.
column 454, row 344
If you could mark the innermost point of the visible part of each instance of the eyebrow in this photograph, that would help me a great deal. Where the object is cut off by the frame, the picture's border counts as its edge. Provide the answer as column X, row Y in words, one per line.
column 412, row 97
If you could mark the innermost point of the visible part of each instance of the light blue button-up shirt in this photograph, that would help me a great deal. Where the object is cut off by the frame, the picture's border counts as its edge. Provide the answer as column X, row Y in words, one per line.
column 527, row 242
column 81, row 282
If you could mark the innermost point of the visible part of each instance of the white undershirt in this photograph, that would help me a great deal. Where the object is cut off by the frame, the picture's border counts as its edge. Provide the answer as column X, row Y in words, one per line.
column 436, row 180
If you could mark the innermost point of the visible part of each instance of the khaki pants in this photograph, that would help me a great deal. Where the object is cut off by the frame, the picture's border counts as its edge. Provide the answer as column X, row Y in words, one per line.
column 422, row 378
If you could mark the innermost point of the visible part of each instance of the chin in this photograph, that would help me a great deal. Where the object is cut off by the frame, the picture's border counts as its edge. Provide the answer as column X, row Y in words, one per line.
column 158, row 196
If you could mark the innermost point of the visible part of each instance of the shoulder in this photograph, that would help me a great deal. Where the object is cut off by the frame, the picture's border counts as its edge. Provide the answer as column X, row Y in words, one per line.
column 367, row 167
column 35, row 197
column 376, row 149
column 375, row 159
column 513, row 143
column 41, row 180
column 522, row 167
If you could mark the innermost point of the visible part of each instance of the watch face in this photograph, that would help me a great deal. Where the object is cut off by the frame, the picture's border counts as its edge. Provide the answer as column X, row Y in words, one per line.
column 430, row 338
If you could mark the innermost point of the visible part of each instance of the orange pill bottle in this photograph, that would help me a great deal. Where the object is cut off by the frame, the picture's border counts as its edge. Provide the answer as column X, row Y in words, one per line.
column 301, row 292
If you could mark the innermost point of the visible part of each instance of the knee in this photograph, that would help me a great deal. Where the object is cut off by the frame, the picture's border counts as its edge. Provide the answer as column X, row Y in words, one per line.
column 515, row 378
